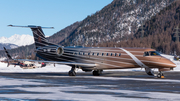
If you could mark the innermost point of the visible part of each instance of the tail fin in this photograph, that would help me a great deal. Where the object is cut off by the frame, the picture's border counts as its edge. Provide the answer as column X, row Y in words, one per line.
column 8, row 56
column 39, row 37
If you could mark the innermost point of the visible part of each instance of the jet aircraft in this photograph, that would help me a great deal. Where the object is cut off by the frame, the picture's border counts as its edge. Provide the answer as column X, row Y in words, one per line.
column 22, row 64
column 97, row 59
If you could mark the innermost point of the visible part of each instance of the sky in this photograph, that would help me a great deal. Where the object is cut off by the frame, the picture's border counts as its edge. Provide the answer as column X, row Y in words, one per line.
column 46, row 13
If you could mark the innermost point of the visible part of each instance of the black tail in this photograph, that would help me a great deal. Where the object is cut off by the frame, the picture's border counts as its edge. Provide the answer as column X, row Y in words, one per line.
column 39, row 37
column 8, row 56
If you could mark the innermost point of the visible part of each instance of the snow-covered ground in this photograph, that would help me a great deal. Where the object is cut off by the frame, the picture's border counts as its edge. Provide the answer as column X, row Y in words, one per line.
column 65, row 68
column 61, row 93
column 49, row 68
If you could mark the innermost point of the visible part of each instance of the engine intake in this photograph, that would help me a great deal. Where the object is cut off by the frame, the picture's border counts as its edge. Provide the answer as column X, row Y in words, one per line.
column 59, row 51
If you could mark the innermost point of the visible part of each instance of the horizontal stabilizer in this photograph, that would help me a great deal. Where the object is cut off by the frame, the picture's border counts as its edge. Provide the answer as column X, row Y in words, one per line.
column 31, row 26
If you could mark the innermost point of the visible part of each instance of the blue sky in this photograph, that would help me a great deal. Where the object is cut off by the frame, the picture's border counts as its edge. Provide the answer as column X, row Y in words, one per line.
column 48, row 13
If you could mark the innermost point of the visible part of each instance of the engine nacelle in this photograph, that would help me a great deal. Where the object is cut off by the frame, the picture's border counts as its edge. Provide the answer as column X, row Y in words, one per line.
column 59, row 50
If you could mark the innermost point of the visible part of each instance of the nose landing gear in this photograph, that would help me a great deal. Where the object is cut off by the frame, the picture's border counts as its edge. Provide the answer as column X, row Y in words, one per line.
column 160, row 75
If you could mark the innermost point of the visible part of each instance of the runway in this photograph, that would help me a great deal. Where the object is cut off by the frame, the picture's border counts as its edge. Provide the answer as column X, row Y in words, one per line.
column 110, row 86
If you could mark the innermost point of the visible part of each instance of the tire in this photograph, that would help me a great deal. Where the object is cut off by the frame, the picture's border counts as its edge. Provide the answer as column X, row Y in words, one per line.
column 72, row 73
column 97, row 72
column 159, row 75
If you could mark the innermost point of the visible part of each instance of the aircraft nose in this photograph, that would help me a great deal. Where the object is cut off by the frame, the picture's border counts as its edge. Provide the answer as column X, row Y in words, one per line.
column 167, row 63
column 173, row 64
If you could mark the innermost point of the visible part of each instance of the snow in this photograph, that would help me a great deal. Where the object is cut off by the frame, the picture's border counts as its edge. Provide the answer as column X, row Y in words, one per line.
column 48, row 68
column 13, row 46
column 134, row 79
column 61, row 92
column 20, row 40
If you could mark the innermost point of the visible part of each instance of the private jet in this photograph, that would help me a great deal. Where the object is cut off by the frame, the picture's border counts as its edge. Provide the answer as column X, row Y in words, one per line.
column 97, row 59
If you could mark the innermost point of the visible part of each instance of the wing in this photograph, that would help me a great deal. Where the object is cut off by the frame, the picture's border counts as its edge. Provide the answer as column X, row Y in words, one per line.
column 57, row 62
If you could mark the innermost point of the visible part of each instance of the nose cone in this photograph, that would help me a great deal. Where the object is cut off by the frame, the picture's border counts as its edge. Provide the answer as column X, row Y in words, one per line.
column 163, row 62
column 173, row 65
column 169, row 63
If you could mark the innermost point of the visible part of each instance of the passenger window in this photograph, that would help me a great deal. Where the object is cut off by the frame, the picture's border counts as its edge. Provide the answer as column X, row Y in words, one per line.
column 119, row 54
column 107, row 54
column 102, row 54
column 146, row 53
column 115, row 54
column 97, row 54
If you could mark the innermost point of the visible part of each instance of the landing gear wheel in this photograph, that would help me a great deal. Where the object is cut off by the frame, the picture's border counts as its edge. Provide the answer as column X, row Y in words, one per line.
column 72, row 73
column 160, row 75
column 97, row 72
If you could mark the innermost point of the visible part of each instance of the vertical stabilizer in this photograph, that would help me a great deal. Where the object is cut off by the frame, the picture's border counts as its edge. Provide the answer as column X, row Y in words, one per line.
column 39, row 37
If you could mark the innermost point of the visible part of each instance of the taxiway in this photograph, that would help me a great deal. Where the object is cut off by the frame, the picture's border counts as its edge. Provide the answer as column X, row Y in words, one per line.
column 111, row 85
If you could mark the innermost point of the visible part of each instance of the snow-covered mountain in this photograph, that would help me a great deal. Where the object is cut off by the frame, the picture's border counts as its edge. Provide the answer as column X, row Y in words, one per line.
column 19, row 40
column 7, row 45
column 115, row 22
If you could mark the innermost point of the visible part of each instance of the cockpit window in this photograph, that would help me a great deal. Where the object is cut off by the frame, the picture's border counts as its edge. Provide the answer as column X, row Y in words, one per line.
column 154, row 53
column 146, row 53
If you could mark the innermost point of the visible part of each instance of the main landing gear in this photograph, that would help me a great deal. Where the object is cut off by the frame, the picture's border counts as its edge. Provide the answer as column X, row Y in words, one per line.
column 72, row 72
column 97, row 72
column 160, row 75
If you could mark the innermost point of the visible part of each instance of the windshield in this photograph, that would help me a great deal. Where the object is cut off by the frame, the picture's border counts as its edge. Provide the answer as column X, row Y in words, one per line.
column 151, row 53
column 154, row 53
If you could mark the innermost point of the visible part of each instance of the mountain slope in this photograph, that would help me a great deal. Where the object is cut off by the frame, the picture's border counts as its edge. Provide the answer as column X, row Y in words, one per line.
column 115, row 21
column 159, row 31
column 7, row 45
